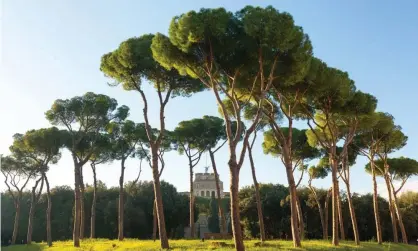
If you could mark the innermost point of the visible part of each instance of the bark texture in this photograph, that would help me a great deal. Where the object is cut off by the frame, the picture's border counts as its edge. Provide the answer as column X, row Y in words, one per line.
column 76, row 229
column 340, row 216
column 82, row 211
column 293, row 205
column 335, row 192
column 235, row 212
column 191, row 201
column 33, row 202
column 48, row 213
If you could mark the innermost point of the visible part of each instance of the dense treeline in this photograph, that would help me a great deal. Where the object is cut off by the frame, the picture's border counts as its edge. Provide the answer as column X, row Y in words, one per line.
column 260, row 67
column 139, row 212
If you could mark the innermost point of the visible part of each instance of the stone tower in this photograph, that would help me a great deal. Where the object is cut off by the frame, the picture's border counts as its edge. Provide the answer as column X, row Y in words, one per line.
column 204, row 185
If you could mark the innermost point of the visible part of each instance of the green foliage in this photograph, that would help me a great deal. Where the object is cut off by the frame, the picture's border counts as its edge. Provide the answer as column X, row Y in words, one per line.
column 301, row 150
column 399, row 168
column 133, row 61
column 213, row 219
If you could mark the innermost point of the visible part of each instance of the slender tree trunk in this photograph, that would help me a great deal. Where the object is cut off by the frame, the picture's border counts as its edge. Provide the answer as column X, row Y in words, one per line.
column 340, row 216
column 257, row 196
column 353, row 215
column 82, row 214
column 335, row 191
column 17, row 218
column 235, row 212
column 392, row 211
column 399, row 215
column 121, row 201
column 76, row 229
column 293, row 203
column 327, row 213
column 154, row 221
column 376, row 205
column 159, row 201
column 191, row 201
column 48, row 213
column 33, row 202
column 218, row 193
column 320, row 209
column 93, row 204
column 300, row 220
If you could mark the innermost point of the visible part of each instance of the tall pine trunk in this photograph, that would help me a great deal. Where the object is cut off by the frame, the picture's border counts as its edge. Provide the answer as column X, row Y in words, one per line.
column 218, row 193
column 159, row 201
column 399, row 216
column 376, row 205
column 191, row 201
column 48, row 213
column 335, row 192
column 93, row 204
column 293, row 203
column 121, row 201
column 257, row 195
column 235, row 212
column 392, row 210
column 82, row 213
column 34, row 200
column 77, row 201
column 154, row 221
column 300, row 220
column 340, row 215
column 320, row 210
column 326, row 215
column 17, row 218
column 353, row 215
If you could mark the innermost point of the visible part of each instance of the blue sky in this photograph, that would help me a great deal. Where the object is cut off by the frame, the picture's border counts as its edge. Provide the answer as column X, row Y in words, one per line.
column 51, row 49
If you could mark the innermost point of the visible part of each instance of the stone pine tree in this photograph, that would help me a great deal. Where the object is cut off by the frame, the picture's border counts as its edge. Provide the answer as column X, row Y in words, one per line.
column 42, row 147
column 17, row 173
column 84, row 118
column 366, row 141
column 213, row 219
column 233, row 54
column 124, row 138
column 331, row 91
column 130, row 65
column 190, row 140
column 391, row 141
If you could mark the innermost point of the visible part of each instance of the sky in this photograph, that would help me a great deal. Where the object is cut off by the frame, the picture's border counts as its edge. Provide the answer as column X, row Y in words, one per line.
column 51, row 50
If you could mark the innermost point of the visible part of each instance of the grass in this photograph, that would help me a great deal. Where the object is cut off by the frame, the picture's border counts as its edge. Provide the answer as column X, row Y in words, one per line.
column 188, row 245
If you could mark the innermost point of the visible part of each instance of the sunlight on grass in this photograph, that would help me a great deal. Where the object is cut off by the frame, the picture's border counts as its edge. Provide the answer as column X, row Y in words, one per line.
column 132, row 244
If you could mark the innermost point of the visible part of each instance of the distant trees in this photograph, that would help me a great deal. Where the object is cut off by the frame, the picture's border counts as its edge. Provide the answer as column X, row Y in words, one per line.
column 213, row 219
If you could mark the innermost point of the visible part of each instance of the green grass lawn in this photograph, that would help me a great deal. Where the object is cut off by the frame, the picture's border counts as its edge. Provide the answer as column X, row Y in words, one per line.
column 131, row 245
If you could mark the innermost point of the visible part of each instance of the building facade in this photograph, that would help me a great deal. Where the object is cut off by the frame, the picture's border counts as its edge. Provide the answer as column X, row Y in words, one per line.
column 204, row 185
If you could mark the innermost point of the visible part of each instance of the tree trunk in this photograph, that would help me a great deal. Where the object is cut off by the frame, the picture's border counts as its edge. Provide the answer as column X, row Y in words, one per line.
column 326, row 214
column 191, row 201
column 320, row 209
column 159, row 201
column 235, row 212
column 82, row 213
column 399, row 215
column 300, row 220
column 257, row 196
column 76, row 229
column 335, row 191
column 93, row 204
column 48, row 213
column 340, row 215
column 17, row 218
column 376, row 205
column 293, row 204
column 121, row 201
column 392, row 210
column 33, row 202
column 218, row 193
column 154, row 221
column 353, row 215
